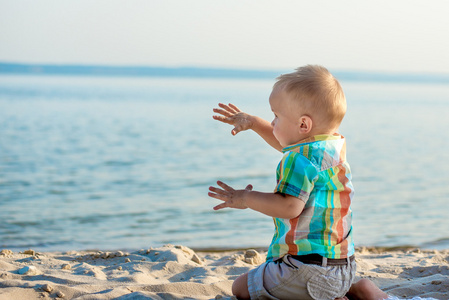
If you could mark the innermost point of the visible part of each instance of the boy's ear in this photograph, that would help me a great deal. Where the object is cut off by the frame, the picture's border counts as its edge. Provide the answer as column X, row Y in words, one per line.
column 305, row 124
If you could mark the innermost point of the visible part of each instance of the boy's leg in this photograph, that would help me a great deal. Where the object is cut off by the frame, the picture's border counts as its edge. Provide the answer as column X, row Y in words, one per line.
column 365, row 289
column 280, row 280
column 240, row 287
column 290, row 278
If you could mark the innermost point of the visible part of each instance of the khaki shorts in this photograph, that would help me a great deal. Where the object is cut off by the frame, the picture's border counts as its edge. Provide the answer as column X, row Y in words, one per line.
column 289, row 278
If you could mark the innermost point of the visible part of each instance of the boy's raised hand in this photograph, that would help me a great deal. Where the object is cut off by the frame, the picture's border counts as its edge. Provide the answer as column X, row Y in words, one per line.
column 232, row 115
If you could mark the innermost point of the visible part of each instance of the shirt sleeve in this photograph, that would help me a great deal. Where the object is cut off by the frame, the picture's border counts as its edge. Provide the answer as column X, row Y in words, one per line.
column 296, row 176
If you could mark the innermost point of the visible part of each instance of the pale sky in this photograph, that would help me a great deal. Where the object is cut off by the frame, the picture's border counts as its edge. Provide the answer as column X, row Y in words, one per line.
column 382, row 35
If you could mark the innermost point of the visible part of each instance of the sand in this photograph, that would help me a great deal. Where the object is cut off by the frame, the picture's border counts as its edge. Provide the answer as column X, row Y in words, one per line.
column 177, row 272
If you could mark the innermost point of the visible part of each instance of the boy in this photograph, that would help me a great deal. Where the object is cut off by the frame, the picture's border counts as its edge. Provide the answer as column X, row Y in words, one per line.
column 311, row 255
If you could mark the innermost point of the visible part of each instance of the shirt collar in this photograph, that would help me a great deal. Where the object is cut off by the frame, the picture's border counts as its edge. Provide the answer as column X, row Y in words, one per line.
column 315, row 138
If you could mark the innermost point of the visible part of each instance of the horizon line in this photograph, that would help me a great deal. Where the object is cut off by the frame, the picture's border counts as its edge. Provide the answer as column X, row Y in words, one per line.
column 204, row 72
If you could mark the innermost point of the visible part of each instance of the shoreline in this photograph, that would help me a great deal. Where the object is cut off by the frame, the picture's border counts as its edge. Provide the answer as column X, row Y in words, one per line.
column 174, row 272
column 375, row 249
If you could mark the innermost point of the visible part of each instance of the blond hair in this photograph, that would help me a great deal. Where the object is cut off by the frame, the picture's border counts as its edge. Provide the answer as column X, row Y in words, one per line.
column 317, row 92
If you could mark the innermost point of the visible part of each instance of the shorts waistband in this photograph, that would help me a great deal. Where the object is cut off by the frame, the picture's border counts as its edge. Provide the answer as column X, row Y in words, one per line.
column 316, row 259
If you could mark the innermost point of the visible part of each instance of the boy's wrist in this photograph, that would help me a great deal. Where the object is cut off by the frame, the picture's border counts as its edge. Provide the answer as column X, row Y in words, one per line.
column 245, row 196
column 254, row 121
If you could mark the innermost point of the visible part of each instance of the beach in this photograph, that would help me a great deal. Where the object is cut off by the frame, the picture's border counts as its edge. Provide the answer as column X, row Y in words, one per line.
column 178, row 272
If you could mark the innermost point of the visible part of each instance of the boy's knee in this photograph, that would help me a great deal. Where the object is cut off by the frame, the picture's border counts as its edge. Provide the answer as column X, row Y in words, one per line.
column 240, row 287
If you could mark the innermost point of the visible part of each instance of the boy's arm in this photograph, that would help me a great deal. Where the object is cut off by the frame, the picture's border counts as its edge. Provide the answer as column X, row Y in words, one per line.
column 231, row 114
column 271, row 204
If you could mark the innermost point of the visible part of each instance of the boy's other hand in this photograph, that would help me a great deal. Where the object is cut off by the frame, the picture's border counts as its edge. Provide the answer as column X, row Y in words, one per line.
column 232, row 115
column 230, row 197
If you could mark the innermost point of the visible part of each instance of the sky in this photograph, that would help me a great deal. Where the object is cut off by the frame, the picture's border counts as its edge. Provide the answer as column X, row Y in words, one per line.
column 382, row 35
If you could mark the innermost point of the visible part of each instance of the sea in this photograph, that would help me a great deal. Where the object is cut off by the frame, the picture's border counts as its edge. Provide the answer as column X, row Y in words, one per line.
column 110, row 162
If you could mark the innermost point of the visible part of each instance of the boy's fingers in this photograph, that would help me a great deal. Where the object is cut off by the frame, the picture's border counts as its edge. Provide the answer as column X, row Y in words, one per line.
column 220, row 206
column 217, row 196
column 222, row 112
column 218, row 191
column 234, row 107
column 225, row 186
column 230, row 108
column 213, row 195
column 221, row 118
column 225, row 107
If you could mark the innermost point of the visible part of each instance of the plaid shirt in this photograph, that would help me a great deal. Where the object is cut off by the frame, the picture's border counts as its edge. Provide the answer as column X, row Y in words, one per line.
column 316, row 172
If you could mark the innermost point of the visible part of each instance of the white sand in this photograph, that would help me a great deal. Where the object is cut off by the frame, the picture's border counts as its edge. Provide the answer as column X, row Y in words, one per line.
column 177, row 272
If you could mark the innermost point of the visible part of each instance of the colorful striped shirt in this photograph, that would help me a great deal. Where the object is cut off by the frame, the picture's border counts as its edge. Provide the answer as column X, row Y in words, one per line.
column 316, row 172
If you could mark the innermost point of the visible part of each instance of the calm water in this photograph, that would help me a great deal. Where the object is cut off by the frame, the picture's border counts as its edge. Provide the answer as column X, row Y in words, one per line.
column 108, row 163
